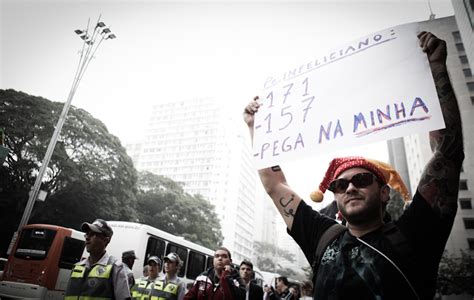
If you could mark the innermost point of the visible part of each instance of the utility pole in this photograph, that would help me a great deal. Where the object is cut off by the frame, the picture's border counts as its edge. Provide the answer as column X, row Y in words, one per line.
column 91, row 41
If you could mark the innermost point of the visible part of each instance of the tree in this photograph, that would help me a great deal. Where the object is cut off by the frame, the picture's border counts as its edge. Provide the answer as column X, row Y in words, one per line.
column 456, row 274
column 396, row 205
column 287, row 272
column 268, row 256
column 308, row 272
column 162, row 203
column 89, row 175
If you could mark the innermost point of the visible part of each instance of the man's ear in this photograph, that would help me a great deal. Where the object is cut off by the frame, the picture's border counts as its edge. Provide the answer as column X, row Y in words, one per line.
column 385, row 194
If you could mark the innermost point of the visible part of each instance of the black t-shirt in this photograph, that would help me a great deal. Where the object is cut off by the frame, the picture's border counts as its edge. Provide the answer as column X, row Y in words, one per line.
column 351, row 270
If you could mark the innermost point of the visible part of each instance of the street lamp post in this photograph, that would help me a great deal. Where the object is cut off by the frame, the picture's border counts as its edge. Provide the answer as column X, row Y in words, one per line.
column 275, row 252
column 91, row 42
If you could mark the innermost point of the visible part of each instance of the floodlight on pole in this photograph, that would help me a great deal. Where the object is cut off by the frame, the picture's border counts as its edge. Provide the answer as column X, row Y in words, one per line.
column 89, row 48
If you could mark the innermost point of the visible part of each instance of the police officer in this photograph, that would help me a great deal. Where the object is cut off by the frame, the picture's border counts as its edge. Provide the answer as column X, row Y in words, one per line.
column 142, row 288
column 169, row 286
column 100, row 275
column 128, row 259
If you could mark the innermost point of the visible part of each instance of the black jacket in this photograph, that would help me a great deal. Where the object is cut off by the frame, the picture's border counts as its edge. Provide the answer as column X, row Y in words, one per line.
column 255, row 291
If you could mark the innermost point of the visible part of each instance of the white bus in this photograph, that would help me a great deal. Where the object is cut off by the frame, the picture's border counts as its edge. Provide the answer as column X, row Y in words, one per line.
column 147, row 241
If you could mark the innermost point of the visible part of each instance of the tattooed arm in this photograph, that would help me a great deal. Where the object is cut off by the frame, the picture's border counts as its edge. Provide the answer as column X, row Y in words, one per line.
column 273, row 179
column 439, row 183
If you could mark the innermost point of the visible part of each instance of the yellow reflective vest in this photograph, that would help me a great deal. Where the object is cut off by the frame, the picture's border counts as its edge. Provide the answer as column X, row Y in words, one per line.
column 163, row 291
column 142, row 289
column 91, row 284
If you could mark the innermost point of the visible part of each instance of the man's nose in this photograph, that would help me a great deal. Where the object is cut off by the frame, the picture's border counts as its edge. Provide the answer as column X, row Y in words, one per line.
column 350, row 188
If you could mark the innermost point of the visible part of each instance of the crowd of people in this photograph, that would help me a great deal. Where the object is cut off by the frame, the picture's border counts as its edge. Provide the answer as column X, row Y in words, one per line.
column 369, row 257
column 101, row 276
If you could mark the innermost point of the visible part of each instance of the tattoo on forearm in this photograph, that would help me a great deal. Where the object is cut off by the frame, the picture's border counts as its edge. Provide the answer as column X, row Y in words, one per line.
column 443, row 86
column 276, row 169
column 449, row 140
column 284, row 203
column 439, row 183
column 289, row 213
column 282, row 199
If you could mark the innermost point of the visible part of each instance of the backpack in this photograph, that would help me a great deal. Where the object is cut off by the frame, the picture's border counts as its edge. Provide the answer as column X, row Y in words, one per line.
column 328, row 236
column 393, row 234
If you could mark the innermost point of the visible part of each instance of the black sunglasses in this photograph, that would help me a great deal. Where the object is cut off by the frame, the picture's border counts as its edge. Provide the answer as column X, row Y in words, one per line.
column 360, row 180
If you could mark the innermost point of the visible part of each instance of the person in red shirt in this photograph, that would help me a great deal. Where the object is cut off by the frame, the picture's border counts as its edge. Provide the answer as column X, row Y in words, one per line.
column 221, row 282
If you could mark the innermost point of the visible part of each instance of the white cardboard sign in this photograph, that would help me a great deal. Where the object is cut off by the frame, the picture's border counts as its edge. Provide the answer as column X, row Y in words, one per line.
column 375, row 88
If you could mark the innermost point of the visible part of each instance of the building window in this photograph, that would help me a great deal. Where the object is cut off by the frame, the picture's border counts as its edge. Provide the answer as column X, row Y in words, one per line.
column 457, row 36
column 465, row 203
column 472, row 100
column 468, row 223
column 470, row 86
column 463, row 59
column 470, row 242
column 463, row 185
column 196, row 264
column 467, row 72
column 460, row 47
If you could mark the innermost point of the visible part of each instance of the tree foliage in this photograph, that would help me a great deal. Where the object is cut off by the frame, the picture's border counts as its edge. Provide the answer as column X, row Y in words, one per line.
column 268, row 255
column 308, row 272
column 88, row 172
column 162, row 203
column 456, row 274
column 89, row 176
column 396, row 205
column 287, row 272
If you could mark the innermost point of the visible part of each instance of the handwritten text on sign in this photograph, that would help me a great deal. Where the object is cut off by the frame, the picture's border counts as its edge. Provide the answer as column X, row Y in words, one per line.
column 376, row 88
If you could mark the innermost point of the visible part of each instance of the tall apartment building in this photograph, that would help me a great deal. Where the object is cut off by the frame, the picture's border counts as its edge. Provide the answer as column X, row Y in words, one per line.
column 411, row 153
column 265, row 227
column 464, row 13
column 200, row 143
column 286, row 242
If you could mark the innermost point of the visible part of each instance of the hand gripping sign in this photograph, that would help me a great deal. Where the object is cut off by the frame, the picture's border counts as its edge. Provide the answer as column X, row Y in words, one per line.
column 376, row 88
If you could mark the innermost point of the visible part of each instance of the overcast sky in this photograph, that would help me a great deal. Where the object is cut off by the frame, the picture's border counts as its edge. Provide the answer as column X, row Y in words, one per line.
column 173, row 50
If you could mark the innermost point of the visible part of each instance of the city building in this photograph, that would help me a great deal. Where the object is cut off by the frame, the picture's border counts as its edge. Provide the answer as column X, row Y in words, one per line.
column 286, row 242
column 265, row 227
column 464, row 13
column 411, row 153
column 201, row 144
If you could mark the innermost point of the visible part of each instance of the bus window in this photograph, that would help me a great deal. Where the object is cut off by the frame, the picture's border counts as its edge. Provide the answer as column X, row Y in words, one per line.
column 71, row 253
column 155, row 246
column 182, row 253
column 34, row 243
column 258, row 278
column 210, row 262
column 196, row 264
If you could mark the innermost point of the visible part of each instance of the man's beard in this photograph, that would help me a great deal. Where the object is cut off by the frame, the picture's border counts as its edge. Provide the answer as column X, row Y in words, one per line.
column 367, row 214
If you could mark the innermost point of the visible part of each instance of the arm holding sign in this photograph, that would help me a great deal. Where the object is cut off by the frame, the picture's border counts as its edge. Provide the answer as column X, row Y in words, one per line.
column 273, row 179
column 439, row 183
